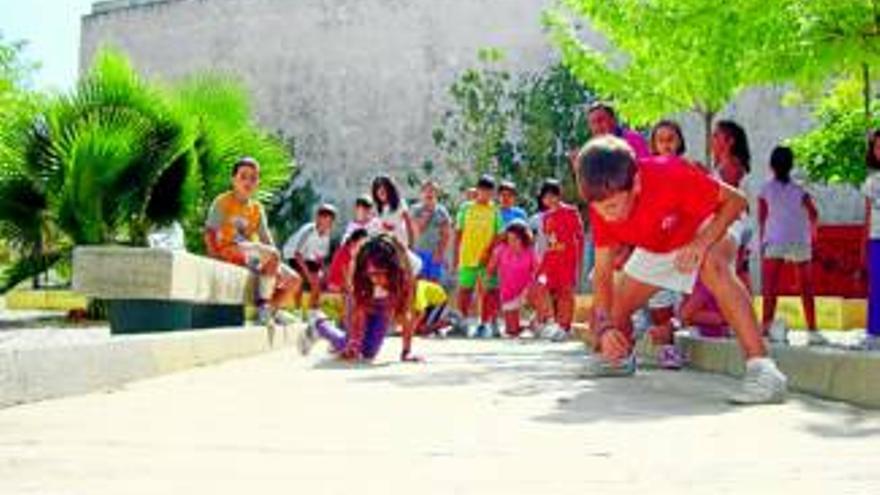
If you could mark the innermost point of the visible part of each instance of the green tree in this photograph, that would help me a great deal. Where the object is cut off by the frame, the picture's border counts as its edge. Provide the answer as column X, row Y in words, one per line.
column 660, row 57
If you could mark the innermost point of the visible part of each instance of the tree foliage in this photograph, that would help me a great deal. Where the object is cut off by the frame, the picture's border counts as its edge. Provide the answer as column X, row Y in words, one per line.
column 517, row 127
column 119, row 154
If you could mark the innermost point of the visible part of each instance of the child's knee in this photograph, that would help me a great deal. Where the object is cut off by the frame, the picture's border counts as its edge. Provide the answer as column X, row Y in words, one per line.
column 716, row 266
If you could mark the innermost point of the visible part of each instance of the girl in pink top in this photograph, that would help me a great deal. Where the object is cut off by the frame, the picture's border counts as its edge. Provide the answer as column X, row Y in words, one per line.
column 517, row 265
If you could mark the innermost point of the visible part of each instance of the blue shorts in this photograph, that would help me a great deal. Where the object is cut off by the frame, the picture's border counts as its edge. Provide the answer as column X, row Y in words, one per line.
column 430, row 269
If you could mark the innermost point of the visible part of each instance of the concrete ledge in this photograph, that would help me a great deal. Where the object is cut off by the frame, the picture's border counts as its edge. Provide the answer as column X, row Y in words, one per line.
column 39, row 373
column 50, row 300
column 836, row 374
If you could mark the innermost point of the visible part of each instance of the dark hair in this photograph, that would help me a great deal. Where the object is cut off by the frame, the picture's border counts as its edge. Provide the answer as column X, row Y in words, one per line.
column 356, row 235
column 486, row 181
column 384, row 253
column 740, row 142
column 782, row 161
column 521, row 230
column 364, row 200
column 393, row 193
column 606, row 166
column 549, row 186
column 245, row 161
column 601, row 105
column 669, row 124
column 871, row 161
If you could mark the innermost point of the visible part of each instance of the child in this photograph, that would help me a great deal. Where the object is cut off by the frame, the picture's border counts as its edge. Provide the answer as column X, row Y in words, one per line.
column 517, row 265
column 871, row 190
column 675, row 217
column 363, row 218
column 602, row 121
column 433, row 228
column 430, row 309
column 478, row 223
column 307, row 249
column 788, row 220
column 560, row 266
column 393, row 213
column 338, row 278
column 382, row 295
column 236, row 232
column 507, row 198
column 667, row 139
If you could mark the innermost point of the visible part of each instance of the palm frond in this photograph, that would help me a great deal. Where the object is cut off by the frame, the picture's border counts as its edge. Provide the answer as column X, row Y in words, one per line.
column 28, row 267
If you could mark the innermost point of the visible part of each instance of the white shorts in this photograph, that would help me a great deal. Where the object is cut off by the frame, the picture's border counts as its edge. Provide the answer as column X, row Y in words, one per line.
column 658, row 269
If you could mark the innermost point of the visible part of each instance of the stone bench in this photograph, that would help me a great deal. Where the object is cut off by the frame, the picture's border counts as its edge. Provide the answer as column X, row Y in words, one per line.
column 150, row 289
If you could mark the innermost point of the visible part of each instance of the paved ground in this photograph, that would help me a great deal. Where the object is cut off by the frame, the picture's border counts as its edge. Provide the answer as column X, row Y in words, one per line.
column 478, row 417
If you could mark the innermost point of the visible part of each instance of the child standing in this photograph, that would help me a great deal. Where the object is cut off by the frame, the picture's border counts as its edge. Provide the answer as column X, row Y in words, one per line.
column 788, row 220
column 507, row 197
column 517, row 265
column 871, row 190
column 433, row 228
column 392, row 210
column 677, row 240
column 363, row 218
column 236, row 232
column 560, row 266
column 478, row 224
column 307, row 249
column 383, row 286
column 338, row 278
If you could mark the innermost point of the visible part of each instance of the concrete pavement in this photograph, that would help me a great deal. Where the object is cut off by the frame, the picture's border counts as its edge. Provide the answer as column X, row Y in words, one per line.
column 477, row 417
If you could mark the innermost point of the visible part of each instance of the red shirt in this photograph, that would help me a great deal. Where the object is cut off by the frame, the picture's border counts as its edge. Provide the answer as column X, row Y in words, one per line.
column 338, row 265
column 675, row 200
column 565, row 238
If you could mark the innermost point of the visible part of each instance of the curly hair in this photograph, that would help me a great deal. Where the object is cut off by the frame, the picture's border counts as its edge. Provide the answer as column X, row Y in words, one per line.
column 385, row 253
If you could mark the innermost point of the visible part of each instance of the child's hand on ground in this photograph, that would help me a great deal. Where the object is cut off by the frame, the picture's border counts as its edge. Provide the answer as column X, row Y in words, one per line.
column 350, row 354
column 613, row 345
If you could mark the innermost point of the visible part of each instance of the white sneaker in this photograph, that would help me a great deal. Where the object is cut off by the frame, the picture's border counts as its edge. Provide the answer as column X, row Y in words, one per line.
column 763, row 383
column 307, row 336
column 553, row 332
column 815, row 338
column 472, row 329
column 778, row 332
column 266, row 316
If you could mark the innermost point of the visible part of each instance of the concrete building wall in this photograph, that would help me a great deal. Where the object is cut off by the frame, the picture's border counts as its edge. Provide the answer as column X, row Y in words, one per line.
column 360, row 83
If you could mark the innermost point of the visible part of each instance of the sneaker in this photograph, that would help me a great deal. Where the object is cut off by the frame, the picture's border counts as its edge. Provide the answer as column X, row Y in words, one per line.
column 778, row 332
column 815, row 338
column 472, row 331
column 869, row 343
column 307, row 337
column 443, row 332
column 285, row 318
column 763, row 384
column 596, row 366
column 266, row 316
column 553, row 332
column 484, row 331
column 669, row 358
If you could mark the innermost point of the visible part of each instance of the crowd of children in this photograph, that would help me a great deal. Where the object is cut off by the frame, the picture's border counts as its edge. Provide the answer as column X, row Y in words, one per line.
column 671, row 237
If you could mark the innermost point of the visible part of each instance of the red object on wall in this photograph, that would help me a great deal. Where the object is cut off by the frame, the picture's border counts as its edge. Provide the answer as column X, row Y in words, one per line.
column 839, row 266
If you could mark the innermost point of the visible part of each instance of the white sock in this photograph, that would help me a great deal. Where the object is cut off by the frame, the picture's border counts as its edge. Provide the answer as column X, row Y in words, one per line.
column 266, row 287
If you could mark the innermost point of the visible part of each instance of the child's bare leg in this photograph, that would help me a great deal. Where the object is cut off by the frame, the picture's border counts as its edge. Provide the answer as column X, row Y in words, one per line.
column 288, row 284
column 629, row 295
column 315, row 291
column 808, row 300
column 772, row 269
column 717, row 273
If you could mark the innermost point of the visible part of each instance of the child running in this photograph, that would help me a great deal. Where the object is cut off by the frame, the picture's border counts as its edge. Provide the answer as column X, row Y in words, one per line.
column 674, row 216
column 516, row 265
column 236, row 232
column 307, row 249
column 561, row 263
column 788, row 221
column 478, row 224
column 383, row 286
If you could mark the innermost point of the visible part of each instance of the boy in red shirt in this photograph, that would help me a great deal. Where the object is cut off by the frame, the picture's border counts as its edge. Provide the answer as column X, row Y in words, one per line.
column 560, row 267
column 674, row 216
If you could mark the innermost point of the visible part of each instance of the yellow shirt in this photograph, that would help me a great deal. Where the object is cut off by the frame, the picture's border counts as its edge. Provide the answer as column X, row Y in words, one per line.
column 428, row 294
column 478, row 223
column 233, row 221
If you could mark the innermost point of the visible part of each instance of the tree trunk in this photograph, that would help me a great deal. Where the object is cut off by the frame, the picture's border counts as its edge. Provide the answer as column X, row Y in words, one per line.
column 708, row 118
column 866, row 75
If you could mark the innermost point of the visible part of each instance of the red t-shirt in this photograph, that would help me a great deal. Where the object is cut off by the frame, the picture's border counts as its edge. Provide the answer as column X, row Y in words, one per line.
column 565, row 236
column 674, row 201
column 336, row 273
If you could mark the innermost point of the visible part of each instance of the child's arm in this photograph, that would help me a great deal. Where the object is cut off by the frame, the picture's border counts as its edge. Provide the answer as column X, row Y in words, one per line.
column 492, row 266
column 763, row 211
column 264, row 232
column 445, row 234
column 354, row 343
column 408, row 326
column 410, row 232
column 457, row 249
column 731, row 204
column 813, row 215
